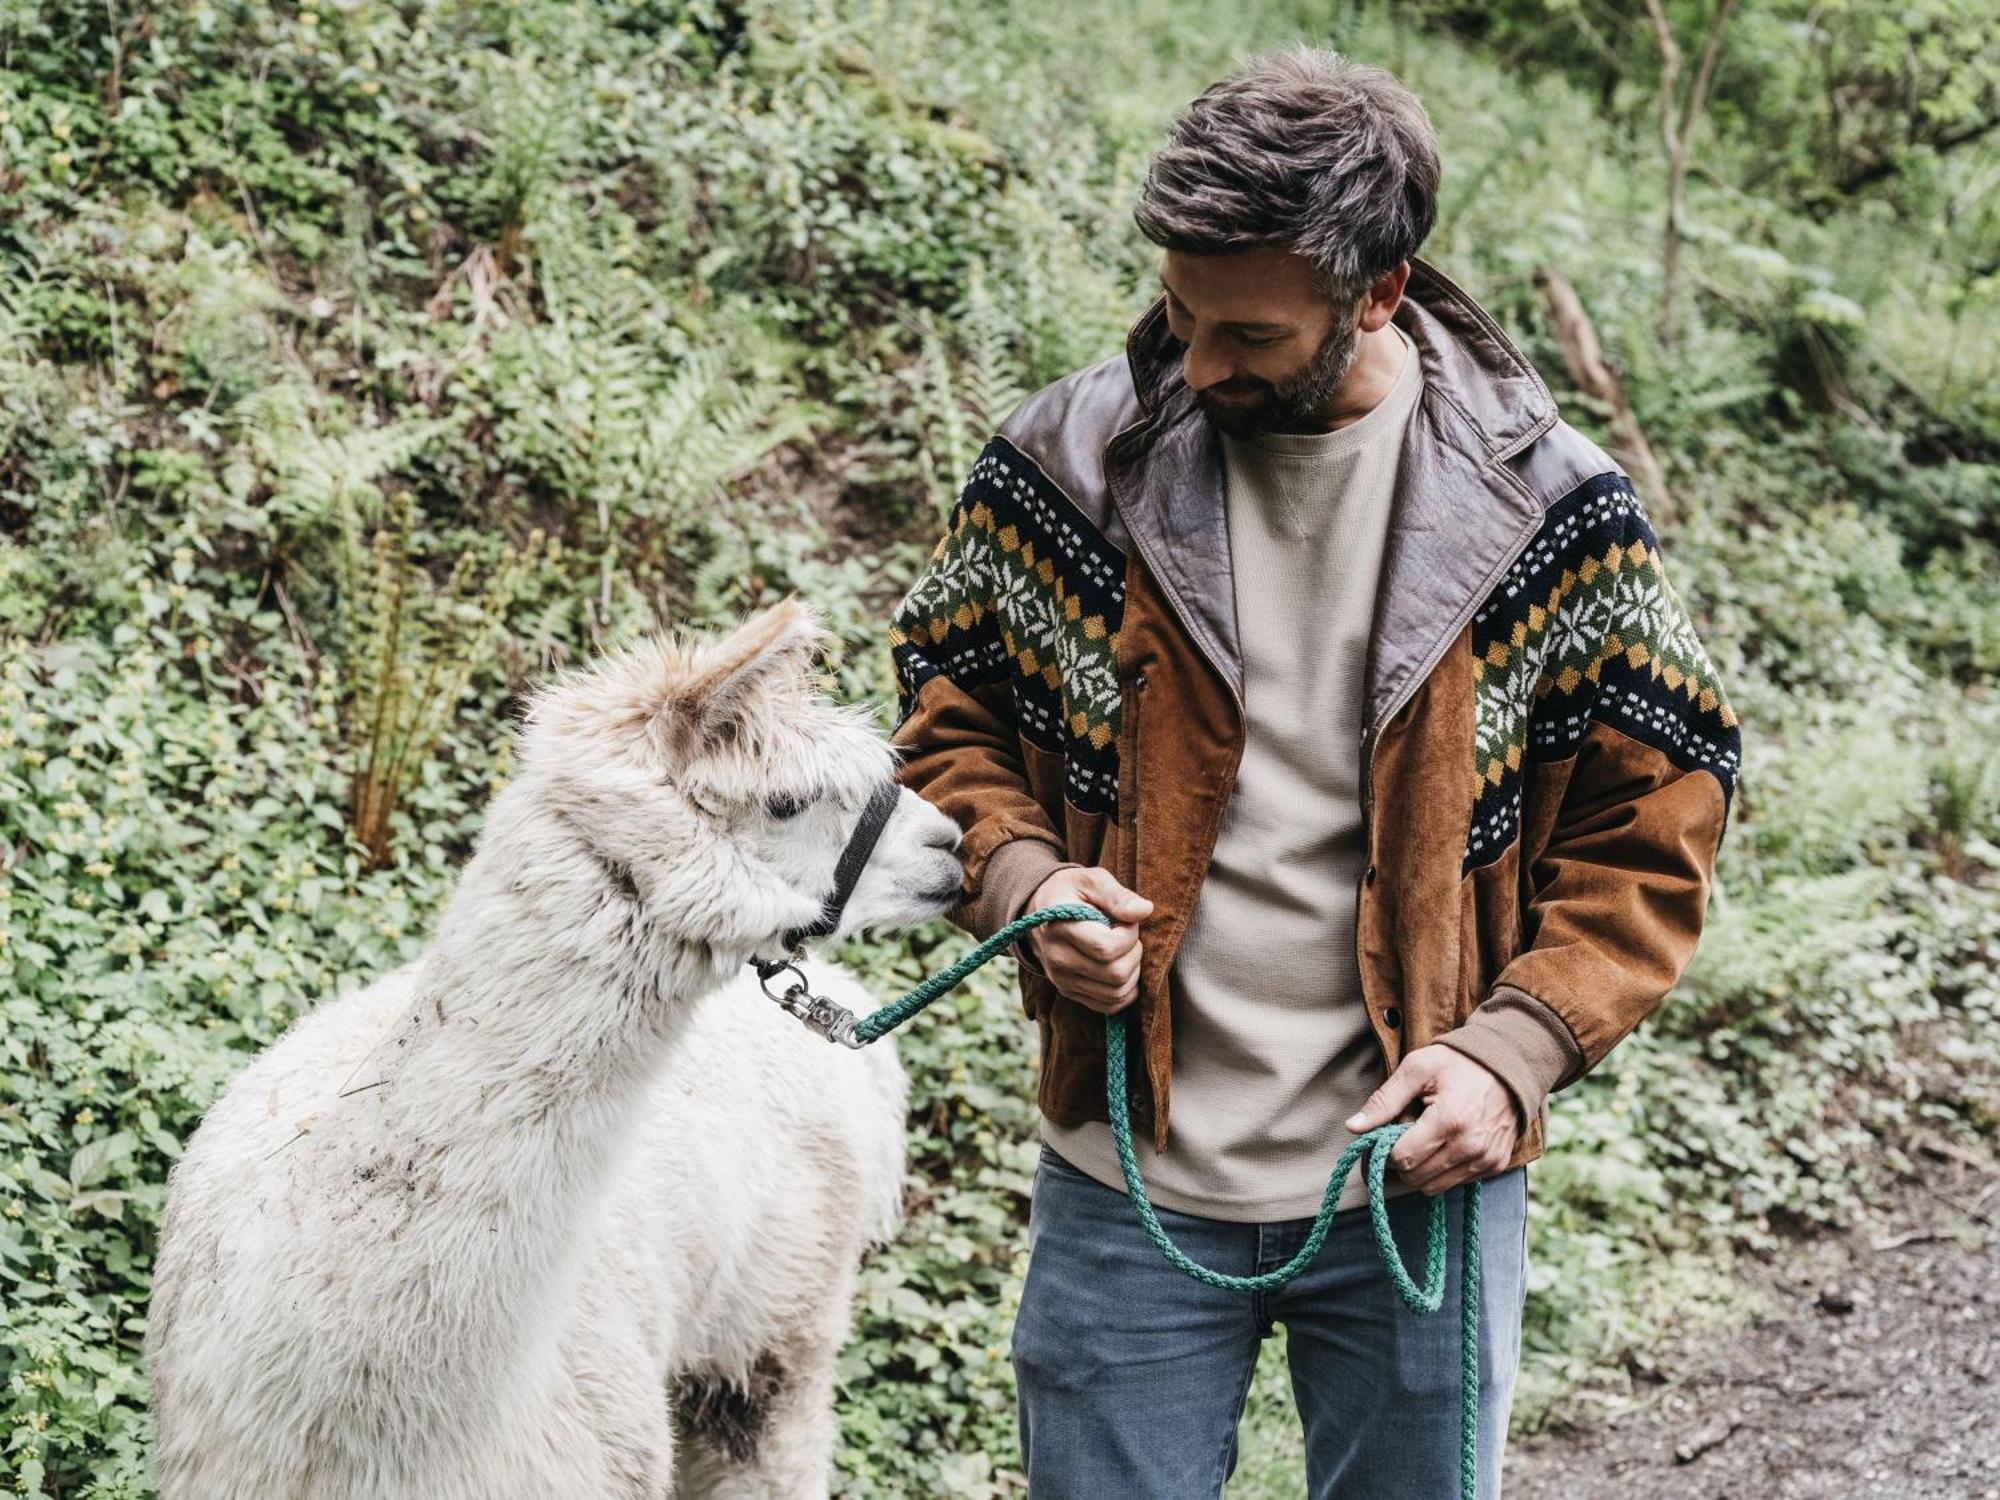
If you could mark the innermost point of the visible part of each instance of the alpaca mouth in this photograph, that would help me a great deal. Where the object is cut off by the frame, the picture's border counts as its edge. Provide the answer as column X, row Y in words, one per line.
column 943, row 895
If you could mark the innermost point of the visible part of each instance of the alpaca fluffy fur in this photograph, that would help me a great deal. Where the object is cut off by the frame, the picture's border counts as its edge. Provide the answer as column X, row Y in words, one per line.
column 566, row 1207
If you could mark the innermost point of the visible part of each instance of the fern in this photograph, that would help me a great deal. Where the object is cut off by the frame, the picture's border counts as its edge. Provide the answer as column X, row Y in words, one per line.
column 990, row 378
column 946, row 450
column 405, row 633
column 311, row 474
column 1965, row 796
column 27, row 378
column 971, row 374
column 634, row 431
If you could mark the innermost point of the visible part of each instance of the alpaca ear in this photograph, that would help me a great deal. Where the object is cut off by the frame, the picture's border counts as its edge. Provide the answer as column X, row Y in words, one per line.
column 724, row 695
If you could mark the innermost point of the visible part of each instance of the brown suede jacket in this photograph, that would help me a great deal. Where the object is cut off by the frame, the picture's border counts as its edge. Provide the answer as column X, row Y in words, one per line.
column 1547, row 742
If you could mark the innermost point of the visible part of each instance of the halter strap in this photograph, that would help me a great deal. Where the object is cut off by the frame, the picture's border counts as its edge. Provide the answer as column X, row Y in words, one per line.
column 846, row 875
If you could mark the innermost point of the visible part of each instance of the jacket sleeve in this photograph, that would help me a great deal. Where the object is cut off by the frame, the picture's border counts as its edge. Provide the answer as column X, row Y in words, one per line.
column 1620, row 885
column 957, row 734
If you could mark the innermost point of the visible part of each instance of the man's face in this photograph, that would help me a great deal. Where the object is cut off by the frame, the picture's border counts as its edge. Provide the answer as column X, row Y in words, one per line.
column 1264, row 352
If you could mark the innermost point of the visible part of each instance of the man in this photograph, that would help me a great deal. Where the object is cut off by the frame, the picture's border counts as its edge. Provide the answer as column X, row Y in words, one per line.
column 1305, row 640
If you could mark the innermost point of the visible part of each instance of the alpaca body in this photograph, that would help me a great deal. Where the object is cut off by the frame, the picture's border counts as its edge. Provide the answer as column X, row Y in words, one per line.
column 327, row 1280
column 568, row 1209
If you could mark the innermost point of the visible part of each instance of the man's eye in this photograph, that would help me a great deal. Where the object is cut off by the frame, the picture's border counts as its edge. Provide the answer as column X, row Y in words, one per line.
column 781, row 805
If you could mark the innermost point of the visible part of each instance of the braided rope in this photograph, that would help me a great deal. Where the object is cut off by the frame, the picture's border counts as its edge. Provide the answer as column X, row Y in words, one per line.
column 878, row 1024
column 1374, row 1144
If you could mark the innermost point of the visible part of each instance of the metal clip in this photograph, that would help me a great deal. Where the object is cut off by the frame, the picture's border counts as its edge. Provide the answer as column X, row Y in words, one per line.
column 834, row 1022
column 819, row 1014
column 766, row 972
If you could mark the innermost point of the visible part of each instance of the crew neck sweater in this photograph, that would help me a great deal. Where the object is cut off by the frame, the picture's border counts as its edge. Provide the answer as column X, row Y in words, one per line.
column 1272, row 1045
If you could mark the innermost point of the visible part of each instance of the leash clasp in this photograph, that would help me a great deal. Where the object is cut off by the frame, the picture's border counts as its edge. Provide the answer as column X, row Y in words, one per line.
column 819, row 1014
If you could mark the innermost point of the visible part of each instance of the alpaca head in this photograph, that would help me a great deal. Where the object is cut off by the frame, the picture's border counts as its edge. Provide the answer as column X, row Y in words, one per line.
column 705, row 783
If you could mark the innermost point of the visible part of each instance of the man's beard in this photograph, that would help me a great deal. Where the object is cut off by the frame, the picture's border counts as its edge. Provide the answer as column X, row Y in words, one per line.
column 1292, row 405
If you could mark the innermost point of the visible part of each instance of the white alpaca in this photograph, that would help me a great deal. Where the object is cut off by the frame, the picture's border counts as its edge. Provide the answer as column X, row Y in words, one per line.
column 566, row 1208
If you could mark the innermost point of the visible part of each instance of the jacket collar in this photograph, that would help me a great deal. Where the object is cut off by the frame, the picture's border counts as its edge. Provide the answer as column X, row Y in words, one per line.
column 1499, row 397
column 1459, row 515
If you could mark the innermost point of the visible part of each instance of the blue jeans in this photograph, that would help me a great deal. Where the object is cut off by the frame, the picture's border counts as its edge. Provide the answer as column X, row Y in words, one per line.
column 1132, row 1376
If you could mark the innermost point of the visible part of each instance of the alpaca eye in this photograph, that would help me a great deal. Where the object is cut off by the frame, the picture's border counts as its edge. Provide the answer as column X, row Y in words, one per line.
column 782, row 805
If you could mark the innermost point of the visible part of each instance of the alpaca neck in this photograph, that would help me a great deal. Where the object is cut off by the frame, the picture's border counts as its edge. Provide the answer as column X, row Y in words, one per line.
column 541, row 1023
column 511, row 1084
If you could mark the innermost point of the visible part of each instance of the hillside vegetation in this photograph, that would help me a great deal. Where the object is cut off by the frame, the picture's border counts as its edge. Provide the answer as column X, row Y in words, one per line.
column 360, row 362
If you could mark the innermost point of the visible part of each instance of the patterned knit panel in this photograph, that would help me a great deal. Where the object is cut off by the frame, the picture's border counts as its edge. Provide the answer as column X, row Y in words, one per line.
column 1023, row 589
column 1586, row 626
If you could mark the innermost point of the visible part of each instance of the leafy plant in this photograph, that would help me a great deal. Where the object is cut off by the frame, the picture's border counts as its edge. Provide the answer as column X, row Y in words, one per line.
column 415, row 650
column 304, row 311
column 1965, row 798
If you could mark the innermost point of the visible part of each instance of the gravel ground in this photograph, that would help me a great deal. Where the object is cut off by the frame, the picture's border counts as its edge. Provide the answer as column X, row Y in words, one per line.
column 1878, row 1375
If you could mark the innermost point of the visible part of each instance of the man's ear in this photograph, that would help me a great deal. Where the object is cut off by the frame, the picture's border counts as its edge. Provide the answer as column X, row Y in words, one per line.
column 1384, row 296
column 730, row 691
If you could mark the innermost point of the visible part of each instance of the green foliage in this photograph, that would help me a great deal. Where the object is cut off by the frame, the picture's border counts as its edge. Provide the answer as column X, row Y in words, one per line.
column 178, row 883
column 1964, row 789
column 926, row 1388
column 1829, row 98
column 297, row 307
column 400, row 631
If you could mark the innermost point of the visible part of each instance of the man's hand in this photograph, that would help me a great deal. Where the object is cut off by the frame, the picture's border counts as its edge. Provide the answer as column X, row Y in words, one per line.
column 1095, row 966
column 1467, row 1130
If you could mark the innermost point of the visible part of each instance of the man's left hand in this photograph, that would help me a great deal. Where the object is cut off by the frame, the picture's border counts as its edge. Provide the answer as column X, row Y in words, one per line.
column 1468, row 1127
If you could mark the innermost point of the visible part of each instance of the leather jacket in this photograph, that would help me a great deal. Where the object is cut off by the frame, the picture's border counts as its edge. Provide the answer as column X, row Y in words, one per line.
column 1548, row 759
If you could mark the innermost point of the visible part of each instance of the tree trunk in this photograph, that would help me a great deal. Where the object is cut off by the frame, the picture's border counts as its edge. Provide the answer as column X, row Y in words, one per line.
column 1584, row 358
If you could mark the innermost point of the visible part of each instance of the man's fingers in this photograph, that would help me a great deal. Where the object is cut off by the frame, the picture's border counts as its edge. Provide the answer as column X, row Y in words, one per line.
column 1091, row 963
column 1101, row 889
column 1402, row 1088
column 1426, row 1161
column 1101, row 944
column 1440, row 1175
column 1098, row 984
column 1442, row 1159
column 1118, row 968
column 1115, row 979
column 1416, row 1152
column 1100, row 997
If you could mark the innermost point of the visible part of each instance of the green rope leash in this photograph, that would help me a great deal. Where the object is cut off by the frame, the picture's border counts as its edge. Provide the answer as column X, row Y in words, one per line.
column 1421, row 1300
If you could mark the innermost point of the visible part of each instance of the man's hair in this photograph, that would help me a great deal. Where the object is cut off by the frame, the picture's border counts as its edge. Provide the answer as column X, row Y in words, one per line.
column 1300, row 149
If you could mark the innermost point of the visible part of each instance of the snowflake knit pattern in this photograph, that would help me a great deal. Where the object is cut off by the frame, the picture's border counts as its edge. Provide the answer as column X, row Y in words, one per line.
column 1023, row 589
column 1586, row 626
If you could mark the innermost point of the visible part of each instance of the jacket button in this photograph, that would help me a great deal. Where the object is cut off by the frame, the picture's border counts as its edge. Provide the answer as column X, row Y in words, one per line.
column 1368, row 876
column 1391, row 1016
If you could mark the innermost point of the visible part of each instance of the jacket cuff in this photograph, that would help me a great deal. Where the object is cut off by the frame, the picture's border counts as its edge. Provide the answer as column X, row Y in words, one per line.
column 1012, row 873
column 1524, row 1043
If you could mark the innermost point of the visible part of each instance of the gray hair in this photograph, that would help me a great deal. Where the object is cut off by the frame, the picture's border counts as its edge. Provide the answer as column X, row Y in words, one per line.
column 1300, row 149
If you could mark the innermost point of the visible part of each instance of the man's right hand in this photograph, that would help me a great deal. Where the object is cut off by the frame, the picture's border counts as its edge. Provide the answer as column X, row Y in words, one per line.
column 1094, row 965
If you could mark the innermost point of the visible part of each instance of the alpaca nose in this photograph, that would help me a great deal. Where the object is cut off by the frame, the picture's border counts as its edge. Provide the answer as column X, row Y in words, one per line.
column 947, row 838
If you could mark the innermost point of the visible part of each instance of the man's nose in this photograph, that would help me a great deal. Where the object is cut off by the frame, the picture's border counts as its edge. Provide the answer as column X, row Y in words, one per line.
column 1202, row 368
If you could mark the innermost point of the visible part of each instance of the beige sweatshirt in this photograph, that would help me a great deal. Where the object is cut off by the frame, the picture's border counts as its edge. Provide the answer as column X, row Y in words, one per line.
column 1272, row 1047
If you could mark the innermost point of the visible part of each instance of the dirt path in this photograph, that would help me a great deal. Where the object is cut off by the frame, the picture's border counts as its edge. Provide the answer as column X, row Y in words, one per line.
column 1879, row 1375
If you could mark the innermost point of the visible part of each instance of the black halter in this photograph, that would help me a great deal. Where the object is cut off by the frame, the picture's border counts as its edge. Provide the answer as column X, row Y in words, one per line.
column 846, row 875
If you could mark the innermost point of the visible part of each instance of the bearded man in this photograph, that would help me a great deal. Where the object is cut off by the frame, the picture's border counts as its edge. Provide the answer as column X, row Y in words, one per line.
column 1305, row 640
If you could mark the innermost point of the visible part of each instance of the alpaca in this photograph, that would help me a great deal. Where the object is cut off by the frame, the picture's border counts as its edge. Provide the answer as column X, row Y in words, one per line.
column 566, row 1208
